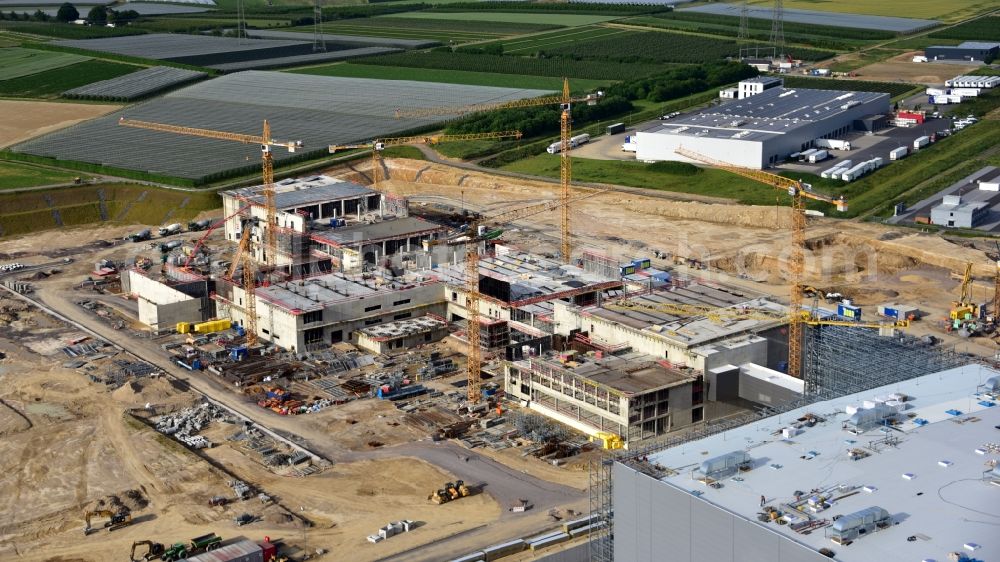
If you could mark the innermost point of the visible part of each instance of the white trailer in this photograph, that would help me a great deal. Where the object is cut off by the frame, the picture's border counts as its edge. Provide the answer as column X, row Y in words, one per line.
column 805, row 154
column 631, row 144
column 855, row 171
column 945, row 99
column 578, row 140
column 965, row 92
column 818, row 156
column 936, row 92
column 833, row 172
column 921, row 142
column 835, row 144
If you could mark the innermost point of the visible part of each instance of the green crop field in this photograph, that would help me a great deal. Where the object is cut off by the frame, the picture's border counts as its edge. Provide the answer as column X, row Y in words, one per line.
column 655, row 46
column 952, row 10
column 183, row 24
column 599, row 70
column 680, row 179
column 14, row 175
column 16, row 62
column 892, row 88
column 51, row 83
column 982, row 29
column 432, row 29
column 534, row 43
column 360, row 70
column 568, row 20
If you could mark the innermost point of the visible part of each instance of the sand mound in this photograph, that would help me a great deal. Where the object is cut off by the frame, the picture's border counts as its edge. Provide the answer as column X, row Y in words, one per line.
column 138, row 393
column 129, row 501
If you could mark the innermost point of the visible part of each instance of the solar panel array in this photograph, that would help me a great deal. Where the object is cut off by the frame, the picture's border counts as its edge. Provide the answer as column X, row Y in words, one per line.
column 317, row 110
column 135, row 85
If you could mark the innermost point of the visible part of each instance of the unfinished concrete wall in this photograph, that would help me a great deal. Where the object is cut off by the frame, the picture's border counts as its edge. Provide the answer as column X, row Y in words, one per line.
column 162, row 307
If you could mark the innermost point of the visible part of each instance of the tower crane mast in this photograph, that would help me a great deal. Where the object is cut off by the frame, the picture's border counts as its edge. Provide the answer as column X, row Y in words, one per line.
column 245, row 252
column 472, row 295
column 798, row 191
column 565, row 102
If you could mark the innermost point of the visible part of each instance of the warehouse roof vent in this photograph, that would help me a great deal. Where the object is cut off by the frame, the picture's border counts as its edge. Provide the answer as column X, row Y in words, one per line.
column 726, row 465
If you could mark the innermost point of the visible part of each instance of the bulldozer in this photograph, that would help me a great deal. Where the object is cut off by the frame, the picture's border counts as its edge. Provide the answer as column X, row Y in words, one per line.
column 451, row 491
column 115, row 520
column 153, row 551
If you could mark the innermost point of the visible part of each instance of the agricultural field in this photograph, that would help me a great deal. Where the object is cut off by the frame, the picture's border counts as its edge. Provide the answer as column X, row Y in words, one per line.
column 337, row 111
column 15, row 175
column 953, row 10
column 16, row 62
column 361, row 70
column 24, row 119
column 568, row 20
column 445, row 31
column 533, row 43
column 135, row 85
column 662, row 47
column 982, row 29
column 52, row 83
column 892, row 88
column 601, row 70
column 195, row 23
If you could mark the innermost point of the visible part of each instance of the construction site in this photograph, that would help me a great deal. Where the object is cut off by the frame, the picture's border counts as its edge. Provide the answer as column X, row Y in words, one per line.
column 401, row 359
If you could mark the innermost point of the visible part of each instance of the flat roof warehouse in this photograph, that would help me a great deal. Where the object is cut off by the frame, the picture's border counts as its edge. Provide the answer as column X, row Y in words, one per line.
column 771, row 113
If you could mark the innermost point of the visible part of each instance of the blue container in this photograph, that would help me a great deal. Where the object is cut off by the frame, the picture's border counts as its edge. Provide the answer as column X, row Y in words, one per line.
column 240, row 331
column 196, row 364
column 644, row 263
column 849, row 311
column 487, row 392
column 783, row 366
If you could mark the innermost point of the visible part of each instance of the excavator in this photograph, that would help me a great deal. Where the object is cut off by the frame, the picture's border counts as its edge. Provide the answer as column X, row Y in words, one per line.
column 153, row 551
column 115, row 520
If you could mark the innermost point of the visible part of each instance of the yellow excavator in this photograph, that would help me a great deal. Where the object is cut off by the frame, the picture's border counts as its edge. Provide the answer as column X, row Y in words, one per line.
column 115, row 520
column 153, row 551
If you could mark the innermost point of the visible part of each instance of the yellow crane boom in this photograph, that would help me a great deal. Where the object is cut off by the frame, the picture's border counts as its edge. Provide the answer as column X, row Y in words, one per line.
column 565, row 102
column 472, row 296
column 245, row 250
column 378, row 145
column 798, row 191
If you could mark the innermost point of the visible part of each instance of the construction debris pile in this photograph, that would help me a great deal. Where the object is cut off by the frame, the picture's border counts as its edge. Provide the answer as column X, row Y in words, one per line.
column 391, row 530
column 185, row 425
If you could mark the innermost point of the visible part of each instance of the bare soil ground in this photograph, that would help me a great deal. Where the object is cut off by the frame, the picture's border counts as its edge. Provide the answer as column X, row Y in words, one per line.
column 28, row 119
column 901, row 68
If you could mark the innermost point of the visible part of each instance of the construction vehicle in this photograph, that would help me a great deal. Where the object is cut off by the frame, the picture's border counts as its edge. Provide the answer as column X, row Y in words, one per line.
column 170, row 229
column 153, row 551
column 195, row 226
column 139, row 236
column 378, row 145
column 798, row 191
column 244, row 519
column 608, row 441
column 180, row 550
column 565, row 103
column 964, row 308
column 450, row 492
column 116, row 520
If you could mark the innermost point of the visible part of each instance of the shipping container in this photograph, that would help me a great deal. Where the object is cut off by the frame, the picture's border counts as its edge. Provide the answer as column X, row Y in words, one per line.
column 921, row 142
column 213, row 326
column 498, row 551
column 897, row 153
column 848, row 310
column 616, row 128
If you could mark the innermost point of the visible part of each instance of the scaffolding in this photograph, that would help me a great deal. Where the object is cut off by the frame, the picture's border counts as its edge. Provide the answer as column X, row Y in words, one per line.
column 839, row 361
column 842, row 360
column 600, row 264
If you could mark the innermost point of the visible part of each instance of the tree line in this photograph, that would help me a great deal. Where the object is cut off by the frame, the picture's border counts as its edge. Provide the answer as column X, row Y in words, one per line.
column 67, row 13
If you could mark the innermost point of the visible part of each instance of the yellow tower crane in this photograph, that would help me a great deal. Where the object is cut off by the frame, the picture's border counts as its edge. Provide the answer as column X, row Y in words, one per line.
column 565, row 103
column 378, row 145
column 245, row 252
column 472, row 295
column 798, row 191
column 265, row 142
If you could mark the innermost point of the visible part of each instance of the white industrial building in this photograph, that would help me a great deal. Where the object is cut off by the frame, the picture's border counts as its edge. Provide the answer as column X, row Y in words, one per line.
column 762, row 128
column 899, row 473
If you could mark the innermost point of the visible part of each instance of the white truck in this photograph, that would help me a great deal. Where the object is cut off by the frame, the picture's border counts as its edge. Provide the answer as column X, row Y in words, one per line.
column 921, row 142
column 170, row 229
column 898, row 153
column 631, row 144
column 835, row 144
column 818, row 156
